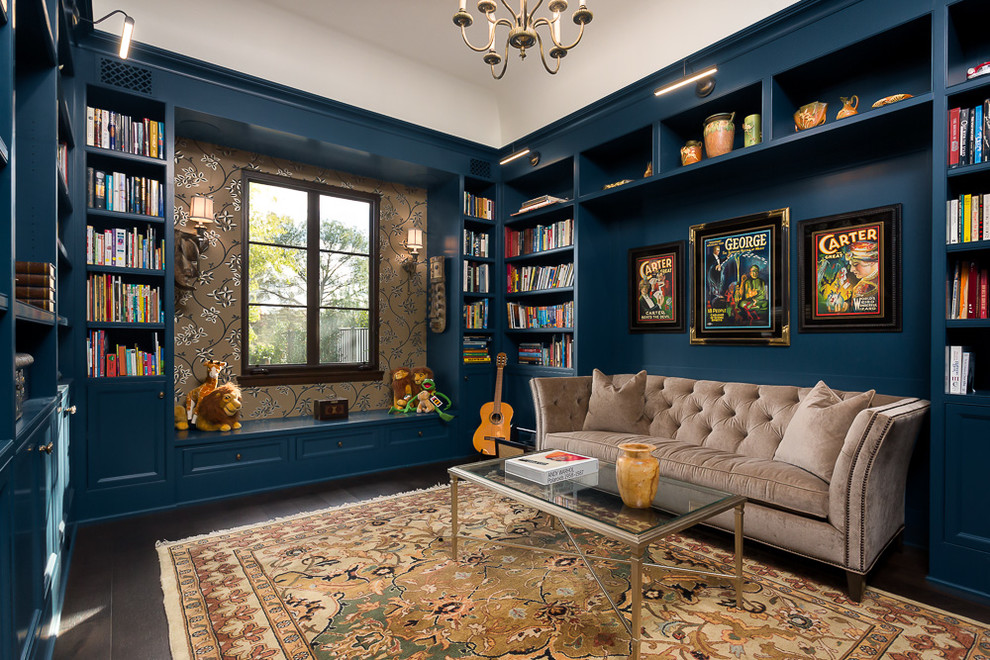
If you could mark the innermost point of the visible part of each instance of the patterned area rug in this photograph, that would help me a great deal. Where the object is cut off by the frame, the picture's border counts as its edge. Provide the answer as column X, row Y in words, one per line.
column 375, row 580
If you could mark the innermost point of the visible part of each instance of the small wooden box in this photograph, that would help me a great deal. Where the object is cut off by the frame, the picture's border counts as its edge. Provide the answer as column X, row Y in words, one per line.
column 335, row 408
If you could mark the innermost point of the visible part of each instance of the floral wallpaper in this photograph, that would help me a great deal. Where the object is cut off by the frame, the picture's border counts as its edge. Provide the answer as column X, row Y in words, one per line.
column 208, row 318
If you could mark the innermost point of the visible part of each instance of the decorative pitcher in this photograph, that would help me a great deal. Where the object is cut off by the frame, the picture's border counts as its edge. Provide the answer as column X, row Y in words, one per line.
column 691, row 152
column 849, row 106
column 637, row 472
column 720, row 133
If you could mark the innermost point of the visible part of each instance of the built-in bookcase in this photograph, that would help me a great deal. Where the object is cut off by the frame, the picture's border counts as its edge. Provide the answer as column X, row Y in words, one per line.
column 960, row 529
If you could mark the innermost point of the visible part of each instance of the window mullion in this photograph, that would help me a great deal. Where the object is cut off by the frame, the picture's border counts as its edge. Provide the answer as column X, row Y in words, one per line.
column 313, row 280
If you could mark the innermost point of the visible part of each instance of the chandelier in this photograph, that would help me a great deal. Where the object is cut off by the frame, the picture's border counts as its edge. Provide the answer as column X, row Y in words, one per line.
column 523, row 31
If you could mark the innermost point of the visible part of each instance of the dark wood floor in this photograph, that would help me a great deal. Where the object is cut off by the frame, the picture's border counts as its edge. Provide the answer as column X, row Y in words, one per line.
column 113, row 606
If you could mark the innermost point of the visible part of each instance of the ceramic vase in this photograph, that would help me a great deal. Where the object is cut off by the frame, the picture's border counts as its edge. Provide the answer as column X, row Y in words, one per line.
column 810, row 115
column 849, row 106
column 752, row 130
column 691, row 152
column 637, row 472
column 720, row 133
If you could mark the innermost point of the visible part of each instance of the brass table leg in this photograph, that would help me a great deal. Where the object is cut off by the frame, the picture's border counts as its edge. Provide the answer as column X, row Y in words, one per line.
column 739, row 554
column 453, row 518
column 636, row 580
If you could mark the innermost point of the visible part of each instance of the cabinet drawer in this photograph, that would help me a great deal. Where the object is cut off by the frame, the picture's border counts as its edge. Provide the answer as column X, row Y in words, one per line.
column 431, row 431
column 317, row 446
column 202, row 460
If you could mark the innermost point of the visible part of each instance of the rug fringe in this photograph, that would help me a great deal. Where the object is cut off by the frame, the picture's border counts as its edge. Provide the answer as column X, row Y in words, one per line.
column 233, row 530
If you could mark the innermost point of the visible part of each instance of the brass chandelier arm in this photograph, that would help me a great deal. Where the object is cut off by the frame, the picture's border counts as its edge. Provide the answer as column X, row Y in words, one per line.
column 505, row 64
column 544, row 21
column 491, row 39
column 543, row 57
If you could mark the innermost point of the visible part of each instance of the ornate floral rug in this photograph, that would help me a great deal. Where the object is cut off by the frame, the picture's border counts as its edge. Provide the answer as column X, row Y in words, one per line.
column 375, row 580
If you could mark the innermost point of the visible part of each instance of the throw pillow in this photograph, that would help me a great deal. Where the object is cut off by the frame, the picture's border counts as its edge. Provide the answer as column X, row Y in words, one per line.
column 619, row 410
column 814, row 436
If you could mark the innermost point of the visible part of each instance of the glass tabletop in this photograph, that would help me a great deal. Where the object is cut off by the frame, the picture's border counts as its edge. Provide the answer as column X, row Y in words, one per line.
column 596, row 496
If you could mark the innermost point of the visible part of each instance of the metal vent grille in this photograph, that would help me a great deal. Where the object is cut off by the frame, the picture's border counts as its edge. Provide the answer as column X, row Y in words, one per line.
column 481, row 169
column 116, row 73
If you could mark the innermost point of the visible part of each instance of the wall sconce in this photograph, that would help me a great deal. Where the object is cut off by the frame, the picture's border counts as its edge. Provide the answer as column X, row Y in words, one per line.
column 125, row 34
column 201, row 211
column 703, row 88
column 414, row 243
column 534, row 157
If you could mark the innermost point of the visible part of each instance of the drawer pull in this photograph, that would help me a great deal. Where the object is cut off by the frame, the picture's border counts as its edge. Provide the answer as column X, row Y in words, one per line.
column 47, row 448
column 71, row 410
column 161, row 395
column 238, row 457
column 420, row 434
column 340, row 444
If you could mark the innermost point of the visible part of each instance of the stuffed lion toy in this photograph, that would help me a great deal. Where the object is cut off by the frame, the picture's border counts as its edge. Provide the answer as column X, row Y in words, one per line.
column 220, row 410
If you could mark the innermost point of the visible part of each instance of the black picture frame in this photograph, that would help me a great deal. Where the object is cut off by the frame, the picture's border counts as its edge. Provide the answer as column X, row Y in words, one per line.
column 656, row 288
column 740, row 289
column 850, row 271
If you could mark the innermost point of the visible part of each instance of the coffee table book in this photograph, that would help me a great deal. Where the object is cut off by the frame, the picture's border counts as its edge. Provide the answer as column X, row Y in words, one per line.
column 549, row 467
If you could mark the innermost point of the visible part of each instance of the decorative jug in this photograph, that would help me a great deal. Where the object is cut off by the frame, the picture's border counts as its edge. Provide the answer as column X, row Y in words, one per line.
column 637, row 472
column 849, row 106
column 691, row 152
column 720, row 133
column 810, row 115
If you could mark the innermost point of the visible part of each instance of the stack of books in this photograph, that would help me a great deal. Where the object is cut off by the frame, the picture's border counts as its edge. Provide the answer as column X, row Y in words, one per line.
column 960, row 369
column 538, row 202
column 34, row 284
column 966, row 219
column 555, row 354
column 476, row 315
column 968, row 291
column 476, row 349
column 549, row 467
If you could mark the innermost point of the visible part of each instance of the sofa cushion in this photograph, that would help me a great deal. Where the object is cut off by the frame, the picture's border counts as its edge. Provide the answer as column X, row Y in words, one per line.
column 774, row 483
column 616, row 404
column 814, row 436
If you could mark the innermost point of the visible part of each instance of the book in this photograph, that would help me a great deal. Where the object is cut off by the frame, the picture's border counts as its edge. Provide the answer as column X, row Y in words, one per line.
column 954, row 137
column 35, row 279
column 549, row 467
column 964, row 136
column 978, row 134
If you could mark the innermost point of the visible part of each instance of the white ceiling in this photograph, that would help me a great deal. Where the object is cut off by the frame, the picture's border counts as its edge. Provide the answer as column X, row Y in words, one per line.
column 405, row 58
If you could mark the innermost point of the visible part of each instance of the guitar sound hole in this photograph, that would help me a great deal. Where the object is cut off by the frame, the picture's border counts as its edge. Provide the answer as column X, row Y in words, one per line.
column 496, row 418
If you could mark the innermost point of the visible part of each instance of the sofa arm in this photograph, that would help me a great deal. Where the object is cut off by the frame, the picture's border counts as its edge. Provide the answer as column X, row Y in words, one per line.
column 560, row 404
column 866, row 494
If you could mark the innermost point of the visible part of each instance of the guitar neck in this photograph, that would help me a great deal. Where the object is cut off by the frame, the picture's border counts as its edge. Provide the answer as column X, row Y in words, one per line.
column 497, row 404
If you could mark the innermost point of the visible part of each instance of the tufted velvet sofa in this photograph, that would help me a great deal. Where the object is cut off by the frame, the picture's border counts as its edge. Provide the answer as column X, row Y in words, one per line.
column 724, row 435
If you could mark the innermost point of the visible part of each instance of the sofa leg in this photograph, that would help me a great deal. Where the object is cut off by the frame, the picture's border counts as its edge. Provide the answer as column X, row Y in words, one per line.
column 855, row 585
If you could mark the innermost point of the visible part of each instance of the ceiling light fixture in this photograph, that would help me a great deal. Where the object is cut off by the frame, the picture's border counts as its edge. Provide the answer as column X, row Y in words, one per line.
column 125, row 34
column 513, row 156
column 687, row 81
column 522, row 31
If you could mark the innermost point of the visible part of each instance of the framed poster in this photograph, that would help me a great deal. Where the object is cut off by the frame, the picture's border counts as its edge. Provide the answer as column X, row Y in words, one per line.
column 656, row 288
column 850, row 271
column 741, row 274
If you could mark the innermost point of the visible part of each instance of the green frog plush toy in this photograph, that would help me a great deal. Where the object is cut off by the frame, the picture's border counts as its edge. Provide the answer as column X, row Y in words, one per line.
column 430, row 400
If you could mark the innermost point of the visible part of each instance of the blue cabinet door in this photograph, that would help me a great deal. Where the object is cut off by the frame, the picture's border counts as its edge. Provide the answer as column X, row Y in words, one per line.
column 6, row 551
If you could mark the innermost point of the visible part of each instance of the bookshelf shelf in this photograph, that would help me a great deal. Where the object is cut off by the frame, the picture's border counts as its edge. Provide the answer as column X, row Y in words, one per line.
column 124, row 156
column 539, row 331
column 122, row 216
column 966, row 170
column 98, row 325
column 569, row 249
column 475, row 220
column 4, row 302
column 971, row 246
column 32, row 314
column 541, row 213
column 540, row 292
column 118, row 270
column 967, row 323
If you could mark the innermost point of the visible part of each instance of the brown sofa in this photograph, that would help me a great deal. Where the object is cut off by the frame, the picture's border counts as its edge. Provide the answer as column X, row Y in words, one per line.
column 726, row 436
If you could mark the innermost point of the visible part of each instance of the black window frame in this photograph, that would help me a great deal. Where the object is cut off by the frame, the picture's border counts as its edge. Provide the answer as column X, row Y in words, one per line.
column 293, row 374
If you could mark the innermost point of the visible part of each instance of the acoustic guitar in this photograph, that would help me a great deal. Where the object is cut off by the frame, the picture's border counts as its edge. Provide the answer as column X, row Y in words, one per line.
column 496, row 417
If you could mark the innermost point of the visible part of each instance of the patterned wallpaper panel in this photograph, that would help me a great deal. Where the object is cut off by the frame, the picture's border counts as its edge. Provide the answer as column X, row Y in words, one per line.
column 208, row 318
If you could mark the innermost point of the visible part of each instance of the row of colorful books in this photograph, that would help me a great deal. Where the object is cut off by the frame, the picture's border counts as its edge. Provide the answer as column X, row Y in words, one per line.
column 521, row 317
column 967, row 293
column 121, row 361
column 116, row 191
column 967, row 219
column 479, row 207
column 476, row 243
column 960, row 369
column 124, row 248
column 112, row 130
column 476, row 349
column 969, row 135
column 110, row 300
column 476, row 277
column 537, row 278
column 556, row 353
column 476, row 315
column 539, row 238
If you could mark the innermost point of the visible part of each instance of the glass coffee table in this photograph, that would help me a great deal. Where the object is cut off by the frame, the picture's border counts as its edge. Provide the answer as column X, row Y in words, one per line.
column 592, row 502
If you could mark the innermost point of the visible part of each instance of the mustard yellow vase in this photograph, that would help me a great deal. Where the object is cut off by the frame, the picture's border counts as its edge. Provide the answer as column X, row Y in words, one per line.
column 637, row 472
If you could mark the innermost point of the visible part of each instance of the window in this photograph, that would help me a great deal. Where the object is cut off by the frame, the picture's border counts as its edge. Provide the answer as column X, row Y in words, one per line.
column 310, row 313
